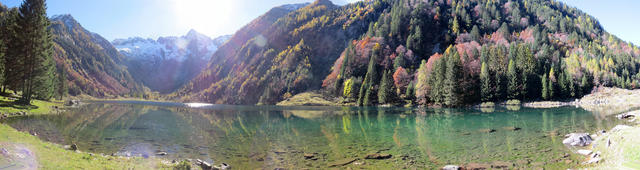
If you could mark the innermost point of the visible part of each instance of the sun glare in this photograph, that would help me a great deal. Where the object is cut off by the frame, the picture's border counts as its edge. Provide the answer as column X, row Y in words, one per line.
column 205, row 16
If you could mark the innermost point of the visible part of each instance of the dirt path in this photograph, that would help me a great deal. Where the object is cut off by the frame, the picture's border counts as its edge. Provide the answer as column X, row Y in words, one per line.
column 17, row 156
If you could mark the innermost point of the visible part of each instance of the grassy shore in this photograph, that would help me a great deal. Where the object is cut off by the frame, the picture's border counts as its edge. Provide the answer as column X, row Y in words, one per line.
column 19, row 150
column 622, row 153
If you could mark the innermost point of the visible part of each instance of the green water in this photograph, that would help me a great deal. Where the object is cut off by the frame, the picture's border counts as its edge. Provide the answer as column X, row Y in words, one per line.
column 250, row 137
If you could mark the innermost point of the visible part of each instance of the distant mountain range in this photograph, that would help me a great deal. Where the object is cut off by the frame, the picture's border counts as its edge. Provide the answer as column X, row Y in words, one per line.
column 167, row 63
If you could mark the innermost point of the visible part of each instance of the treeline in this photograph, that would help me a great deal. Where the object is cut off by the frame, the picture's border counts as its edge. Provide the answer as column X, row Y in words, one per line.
column 461, row 52
column 26, row 61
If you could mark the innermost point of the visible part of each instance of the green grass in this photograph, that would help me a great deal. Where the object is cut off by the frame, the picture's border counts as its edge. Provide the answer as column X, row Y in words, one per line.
column 53, row 156
column 624, row 153
column 8, row 105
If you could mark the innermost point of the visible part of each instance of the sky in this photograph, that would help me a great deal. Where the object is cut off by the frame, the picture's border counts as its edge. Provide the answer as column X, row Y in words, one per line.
column 152, row 18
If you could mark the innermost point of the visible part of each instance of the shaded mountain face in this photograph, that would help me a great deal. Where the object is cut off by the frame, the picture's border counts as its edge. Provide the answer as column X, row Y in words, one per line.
column 443, row 52
column 167, row 63
column 91, row 64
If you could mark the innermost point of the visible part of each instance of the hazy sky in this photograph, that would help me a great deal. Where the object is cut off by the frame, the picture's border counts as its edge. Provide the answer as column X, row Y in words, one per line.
column 152, row 18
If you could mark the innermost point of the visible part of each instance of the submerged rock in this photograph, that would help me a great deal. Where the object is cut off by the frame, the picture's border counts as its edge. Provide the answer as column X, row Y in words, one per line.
column 501, row 165
column 451, row 167
column 477, row 166
column 511, row 128
column 487, row 130
column 343, row 162
column 378, row 156
column 309, row 155
column 577, row 139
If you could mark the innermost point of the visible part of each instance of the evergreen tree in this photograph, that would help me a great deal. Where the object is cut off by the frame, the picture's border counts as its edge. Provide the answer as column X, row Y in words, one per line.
column 551, row 86
column 13, row 52
column 475, row 34
column 61, row 87
column 513, row 87
column 364, row 97
column 451, row 84
column 410, row 92
column 37, row 58
column 398, row 61
column 485, row 79
column 436, row 81
column 386, row 92
column 545, row 87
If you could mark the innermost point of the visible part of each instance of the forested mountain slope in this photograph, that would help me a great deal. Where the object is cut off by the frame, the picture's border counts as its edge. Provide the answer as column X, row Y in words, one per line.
column 283, row 52
column 438, row 52
column 89, row 62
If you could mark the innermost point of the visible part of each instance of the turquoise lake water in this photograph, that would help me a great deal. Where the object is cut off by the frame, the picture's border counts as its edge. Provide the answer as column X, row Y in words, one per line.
column 250, row 137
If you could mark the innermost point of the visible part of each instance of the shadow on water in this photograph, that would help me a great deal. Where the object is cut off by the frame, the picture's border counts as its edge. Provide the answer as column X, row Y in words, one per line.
column 249, row 137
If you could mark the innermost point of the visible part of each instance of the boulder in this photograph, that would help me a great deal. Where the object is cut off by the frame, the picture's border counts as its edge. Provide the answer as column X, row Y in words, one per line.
column 309, row 155
column 501, row 165
column 477, row 166
column 451, row 167
column 204, row 165
column 511, row 128
column 487, row 130
column 625, row 116
column 72, row 103
column 343, row 162
column 584, row 152
column 378, row 156
column 577, row 139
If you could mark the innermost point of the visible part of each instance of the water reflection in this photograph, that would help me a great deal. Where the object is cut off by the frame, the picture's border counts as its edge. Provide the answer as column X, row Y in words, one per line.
column 249, row 137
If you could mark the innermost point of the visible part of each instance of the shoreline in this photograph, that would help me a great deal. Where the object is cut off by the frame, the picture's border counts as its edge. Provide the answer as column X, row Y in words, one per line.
column 602, row 98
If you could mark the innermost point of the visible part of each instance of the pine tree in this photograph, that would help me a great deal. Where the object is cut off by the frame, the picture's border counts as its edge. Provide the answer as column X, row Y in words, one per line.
column 436, row 81
column 475, row 34
column 513, row 87
column 410, row 93
column 545, row 87
column 485, row 78
column 364, row 97
column 37, row 58
column 452, row 87
column 550, row 88
column 12, row 61
column 386, row 92
column 455, row 27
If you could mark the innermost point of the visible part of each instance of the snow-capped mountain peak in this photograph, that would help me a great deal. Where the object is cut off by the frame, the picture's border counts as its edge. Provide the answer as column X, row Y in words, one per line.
column 193, row 44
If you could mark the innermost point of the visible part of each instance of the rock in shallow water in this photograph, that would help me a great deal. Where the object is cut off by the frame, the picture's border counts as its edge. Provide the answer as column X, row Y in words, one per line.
column 577, row 139
column 343, row 162
column 451, row 167
column 378, row 156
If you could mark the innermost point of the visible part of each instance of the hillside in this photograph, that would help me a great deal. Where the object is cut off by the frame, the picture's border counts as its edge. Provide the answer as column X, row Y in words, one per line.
column 448, row 53
column 280, row 52
column 167, row 63
column 92, row 66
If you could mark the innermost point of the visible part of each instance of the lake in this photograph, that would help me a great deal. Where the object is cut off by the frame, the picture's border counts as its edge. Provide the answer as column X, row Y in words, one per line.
column 250, row 137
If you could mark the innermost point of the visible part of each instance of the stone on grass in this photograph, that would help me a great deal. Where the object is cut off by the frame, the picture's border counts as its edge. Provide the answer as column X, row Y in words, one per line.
column 584, row 152
column 577, row 139
column 451, row 167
